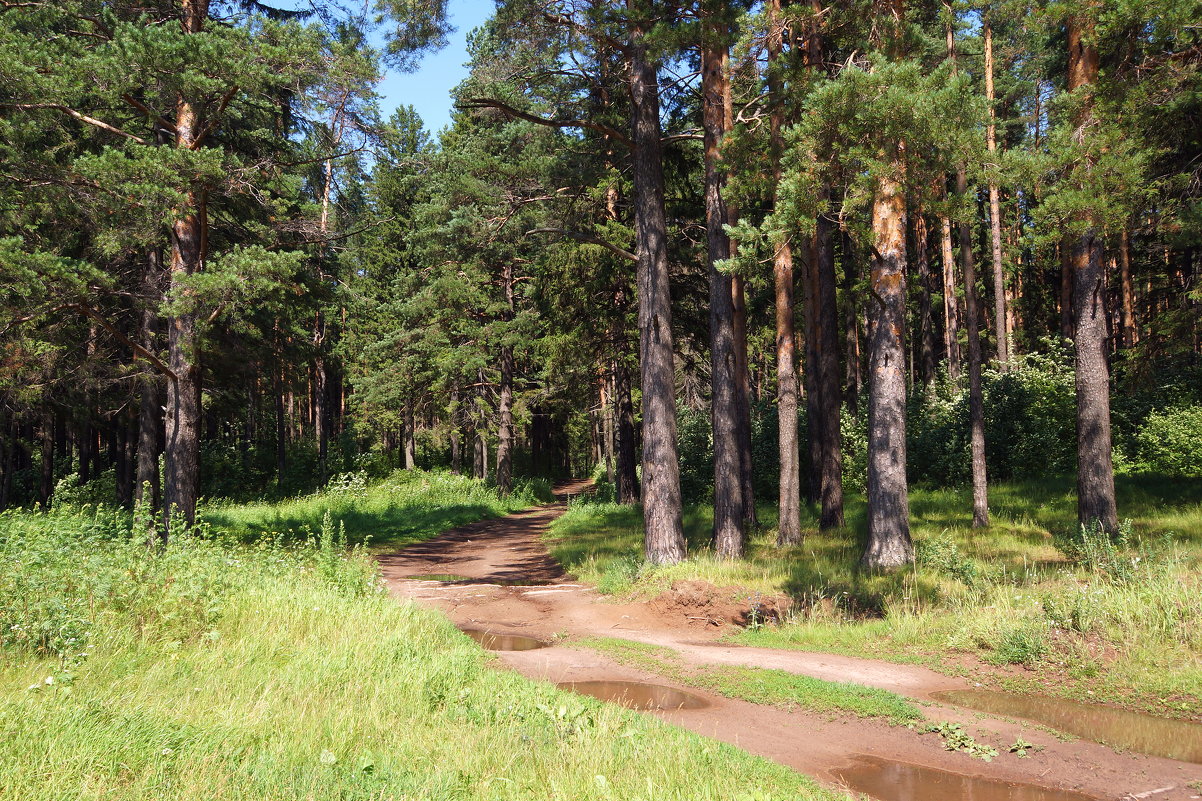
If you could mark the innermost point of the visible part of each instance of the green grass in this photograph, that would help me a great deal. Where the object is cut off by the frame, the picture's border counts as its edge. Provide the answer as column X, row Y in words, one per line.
column 790, row 691
column 1007, row 594
column 765, row 686
column 220, row 670
column 407, row 507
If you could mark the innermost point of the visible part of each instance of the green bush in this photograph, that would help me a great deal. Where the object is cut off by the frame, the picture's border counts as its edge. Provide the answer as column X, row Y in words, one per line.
column 941, row 554
column 1170, row 441
column 1030, row 423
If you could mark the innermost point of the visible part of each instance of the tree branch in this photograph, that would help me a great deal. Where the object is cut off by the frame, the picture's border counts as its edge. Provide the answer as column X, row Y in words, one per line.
column 88, row 311
column 159, row 119
column 504, row 108
column 587, row 239
column 70, row 112
column 686, row 137
column 211, row 122
column 586, row 31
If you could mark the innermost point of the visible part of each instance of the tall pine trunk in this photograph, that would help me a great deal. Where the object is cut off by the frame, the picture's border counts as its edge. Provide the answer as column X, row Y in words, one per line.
column 951, row 307
column 926, row 323
column 663, row 541
column 181, row 469
column 995, row 216
column 889, row 545
column 627, row 457
column 976, row 404
column 1127, row 289
column 789, row 505
column 1095, row 471
column 150, row 412
column 826, row 378
column 46, row 474
column 409, row 437
column 728, row 533
column 505, row 400
column 743, row 394
column 505, row 423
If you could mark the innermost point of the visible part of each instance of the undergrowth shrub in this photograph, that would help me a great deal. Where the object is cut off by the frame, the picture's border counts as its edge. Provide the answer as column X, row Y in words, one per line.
column 1170, row 441
column 100, row 489
column 942, row 554
column 1092, row 548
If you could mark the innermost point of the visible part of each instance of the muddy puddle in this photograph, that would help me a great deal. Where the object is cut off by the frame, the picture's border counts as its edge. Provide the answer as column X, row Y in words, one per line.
column 504, row 642
column 900, row 781
column 439, row 577
column 636, row 695
column 517, row 582
column 1118, row 728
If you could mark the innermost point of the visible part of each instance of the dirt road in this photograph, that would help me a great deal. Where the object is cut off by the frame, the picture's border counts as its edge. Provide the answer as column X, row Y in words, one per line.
column 497, row 575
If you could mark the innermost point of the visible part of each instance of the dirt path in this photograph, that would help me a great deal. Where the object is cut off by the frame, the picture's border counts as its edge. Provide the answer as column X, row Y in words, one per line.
column 498, row 575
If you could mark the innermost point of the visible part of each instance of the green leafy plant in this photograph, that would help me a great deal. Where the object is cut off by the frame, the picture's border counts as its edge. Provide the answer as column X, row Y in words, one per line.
column 1021, row 748
column 955, row 738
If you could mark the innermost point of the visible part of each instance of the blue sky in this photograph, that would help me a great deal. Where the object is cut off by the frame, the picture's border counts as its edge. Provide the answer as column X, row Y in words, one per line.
column 428, row 89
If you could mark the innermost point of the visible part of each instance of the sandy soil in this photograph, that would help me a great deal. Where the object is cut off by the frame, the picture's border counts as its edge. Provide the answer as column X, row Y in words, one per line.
column 510, row 584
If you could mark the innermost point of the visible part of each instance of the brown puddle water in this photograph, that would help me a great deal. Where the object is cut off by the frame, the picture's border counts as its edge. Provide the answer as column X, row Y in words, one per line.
column 1119, row 728
column 517, row 582
column 901, row 781
column 439, row 577
column 636, row 695
column 504, row 642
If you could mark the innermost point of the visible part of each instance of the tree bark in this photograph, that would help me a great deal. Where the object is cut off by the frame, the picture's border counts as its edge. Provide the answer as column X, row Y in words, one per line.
column 505, row 404
column 995, row 215
column 976, row 405
column 1127, row 289
column 789, row 505
column 1095, row 470
column 408, row 438
column 851, row 324
column 188, row 234
column 889, row 545
column 605, row 387
column 505, row 423
column 321, row 398
column 728, row 532
column 150, row 422
column 456, row 435
column 1095, row 474
column 926, row 323
column 46, row 475
column 951, row 308
column 826, row 351
column 1066, row 288
column 627, row 459
column 664, row 541
column 743, row 395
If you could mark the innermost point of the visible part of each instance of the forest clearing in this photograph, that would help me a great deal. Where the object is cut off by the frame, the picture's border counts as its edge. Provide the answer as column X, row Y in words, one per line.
column 715, row 400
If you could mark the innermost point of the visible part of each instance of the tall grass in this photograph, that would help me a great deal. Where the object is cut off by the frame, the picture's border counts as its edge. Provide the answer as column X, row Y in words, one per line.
column 278, row 669
column 1118, row 620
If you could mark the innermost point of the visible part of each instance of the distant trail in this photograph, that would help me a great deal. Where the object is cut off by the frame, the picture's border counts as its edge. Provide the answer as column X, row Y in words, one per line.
column 498, row 575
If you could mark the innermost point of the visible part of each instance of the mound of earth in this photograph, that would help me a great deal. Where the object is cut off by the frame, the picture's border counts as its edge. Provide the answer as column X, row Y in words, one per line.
column 700, row 603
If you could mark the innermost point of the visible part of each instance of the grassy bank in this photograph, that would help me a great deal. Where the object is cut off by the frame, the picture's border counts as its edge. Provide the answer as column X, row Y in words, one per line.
column 221, row 669
column 407, row 507
column 1121, row 623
